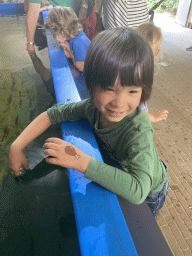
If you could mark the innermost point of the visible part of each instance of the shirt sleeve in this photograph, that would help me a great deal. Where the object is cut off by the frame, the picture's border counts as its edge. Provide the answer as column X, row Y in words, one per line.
column 80, row 48
column 133, row 180
column 71, row 112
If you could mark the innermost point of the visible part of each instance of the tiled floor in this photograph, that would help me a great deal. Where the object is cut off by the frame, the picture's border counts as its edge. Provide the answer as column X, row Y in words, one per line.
column 173, row 137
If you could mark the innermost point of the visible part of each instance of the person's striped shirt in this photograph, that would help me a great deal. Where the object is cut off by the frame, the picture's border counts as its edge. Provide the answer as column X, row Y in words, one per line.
column 118, row 13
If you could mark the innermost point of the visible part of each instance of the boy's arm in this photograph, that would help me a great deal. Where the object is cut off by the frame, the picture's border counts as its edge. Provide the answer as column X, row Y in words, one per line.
column 133, row 178
column 132, row 187
column 32, row 131
column 79, row 65
column 69, row 54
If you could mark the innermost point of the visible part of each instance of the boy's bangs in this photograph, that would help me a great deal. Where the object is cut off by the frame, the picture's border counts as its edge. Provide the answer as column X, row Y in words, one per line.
column 119, row 54
column 117, row 65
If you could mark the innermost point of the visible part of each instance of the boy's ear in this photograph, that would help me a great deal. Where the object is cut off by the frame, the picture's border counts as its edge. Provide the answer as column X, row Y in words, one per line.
column 157, row 53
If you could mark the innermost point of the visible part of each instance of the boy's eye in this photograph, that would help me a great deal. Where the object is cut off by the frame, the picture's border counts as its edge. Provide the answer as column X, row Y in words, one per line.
column 133, row 91
column 109, row 89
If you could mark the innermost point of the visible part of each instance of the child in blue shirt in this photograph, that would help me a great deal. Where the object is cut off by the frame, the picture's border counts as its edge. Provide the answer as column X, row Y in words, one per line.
column 66, row 28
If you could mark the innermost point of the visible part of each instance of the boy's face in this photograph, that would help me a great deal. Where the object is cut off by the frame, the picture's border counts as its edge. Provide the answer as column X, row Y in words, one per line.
column 116, row 102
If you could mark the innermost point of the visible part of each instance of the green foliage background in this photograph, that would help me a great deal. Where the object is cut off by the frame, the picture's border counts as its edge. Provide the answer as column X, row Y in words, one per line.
column 167, row 5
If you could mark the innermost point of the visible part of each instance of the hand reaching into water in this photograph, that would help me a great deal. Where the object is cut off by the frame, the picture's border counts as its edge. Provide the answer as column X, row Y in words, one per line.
column 17, row 161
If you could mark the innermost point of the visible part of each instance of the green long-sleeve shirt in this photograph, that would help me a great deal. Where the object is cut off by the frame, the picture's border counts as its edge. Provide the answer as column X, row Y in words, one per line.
column 129, row 142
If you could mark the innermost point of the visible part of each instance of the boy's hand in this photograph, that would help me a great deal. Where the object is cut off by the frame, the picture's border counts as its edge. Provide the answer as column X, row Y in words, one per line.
column 66, row 155
column 17, row 160
column 66, row 49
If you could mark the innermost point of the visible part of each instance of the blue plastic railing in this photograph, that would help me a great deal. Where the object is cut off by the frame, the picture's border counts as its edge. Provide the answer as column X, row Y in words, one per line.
column 101, row 226
column 9, row 9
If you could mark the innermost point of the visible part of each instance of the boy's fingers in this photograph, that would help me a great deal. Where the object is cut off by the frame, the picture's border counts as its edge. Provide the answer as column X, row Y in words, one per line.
column 50, row 145
column 51, row 161
column 26, row 165
column 50, row 152
column 15, row 173
column 54, row 140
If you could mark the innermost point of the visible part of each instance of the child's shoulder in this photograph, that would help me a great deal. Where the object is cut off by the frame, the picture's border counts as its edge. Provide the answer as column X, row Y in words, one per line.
column 141, row 119
column 81, row 36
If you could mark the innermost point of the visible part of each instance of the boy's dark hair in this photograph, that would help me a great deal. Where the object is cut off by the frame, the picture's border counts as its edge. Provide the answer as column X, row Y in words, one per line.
column 122, row 53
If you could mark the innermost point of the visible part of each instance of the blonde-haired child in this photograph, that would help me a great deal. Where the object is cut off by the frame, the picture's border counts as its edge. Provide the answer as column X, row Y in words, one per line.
column 154, row 37
column 66, row 28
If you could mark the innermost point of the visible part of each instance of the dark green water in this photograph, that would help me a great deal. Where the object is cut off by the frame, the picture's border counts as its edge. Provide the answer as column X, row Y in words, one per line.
column 35, row 218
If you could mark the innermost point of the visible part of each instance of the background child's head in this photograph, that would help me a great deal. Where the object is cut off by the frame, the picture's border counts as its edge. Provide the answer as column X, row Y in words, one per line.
column 62, row 21
column 153, row 35
column 119, row 53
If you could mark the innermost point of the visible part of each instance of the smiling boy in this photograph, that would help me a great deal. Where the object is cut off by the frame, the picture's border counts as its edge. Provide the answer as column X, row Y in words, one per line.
column 118, row 75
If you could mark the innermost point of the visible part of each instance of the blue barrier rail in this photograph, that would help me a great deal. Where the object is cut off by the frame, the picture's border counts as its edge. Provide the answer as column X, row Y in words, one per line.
column 9, row 9
column 101, row 226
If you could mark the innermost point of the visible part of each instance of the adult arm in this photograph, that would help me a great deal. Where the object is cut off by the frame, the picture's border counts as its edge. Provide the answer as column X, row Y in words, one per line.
column 83, row 11
column 32, row 18
column 40, row 68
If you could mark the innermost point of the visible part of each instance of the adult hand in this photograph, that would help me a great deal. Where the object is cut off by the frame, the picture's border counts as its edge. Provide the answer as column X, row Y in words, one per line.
column 17, row 160
column 66, row 155
column 31, row 49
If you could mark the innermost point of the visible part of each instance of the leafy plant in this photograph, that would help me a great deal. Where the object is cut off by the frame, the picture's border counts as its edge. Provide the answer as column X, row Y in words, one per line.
column 167, row 5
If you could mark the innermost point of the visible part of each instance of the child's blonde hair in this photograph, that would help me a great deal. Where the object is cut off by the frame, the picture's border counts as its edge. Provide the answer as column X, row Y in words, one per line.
column 63, row 21
column 153, row 35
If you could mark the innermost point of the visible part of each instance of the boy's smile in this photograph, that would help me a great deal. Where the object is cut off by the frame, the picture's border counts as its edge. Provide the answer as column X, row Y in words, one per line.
column 116, row 102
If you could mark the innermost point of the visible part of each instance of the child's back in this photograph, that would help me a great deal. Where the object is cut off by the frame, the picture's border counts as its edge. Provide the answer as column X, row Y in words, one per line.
column 154, row 37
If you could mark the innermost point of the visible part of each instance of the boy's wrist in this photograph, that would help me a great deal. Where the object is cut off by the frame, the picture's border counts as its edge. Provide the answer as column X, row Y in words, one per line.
column 83, row 163
column 16, row 146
